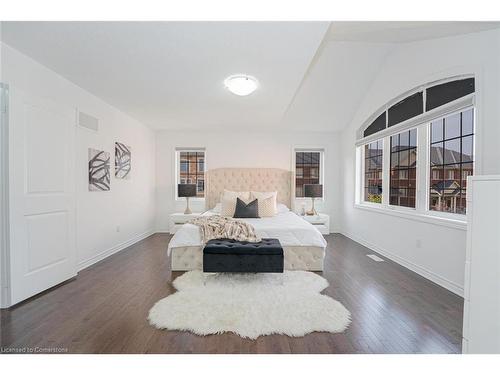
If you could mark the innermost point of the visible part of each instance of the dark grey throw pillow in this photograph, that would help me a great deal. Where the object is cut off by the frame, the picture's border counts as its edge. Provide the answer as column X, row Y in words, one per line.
column 243, row 210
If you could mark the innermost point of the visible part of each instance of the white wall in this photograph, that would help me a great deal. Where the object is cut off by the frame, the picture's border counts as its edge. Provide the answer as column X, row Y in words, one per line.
column 244, row 150
column 129, row 204
column 441, row 253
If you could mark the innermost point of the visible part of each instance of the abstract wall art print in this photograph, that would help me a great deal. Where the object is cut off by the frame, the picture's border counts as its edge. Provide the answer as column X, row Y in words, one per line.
column 99, row 173
column 122, row 160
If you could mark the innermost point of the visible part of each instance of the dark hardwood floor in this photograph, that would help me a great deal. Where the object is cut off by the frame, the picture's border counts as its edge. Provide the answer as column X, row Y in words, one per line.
column 104, row 310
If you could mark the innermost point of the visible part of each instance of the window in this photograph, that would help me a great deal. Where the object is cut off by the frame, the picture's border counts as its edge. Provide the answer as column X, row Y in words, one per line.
column 200, row 186
column 465, row 174
column 308, row 169
column 373, row 157
column 403, row 169
column 451, row 159
column 447, row 92
column 377, row 125
column 412, row 105
column 191, row 169
column 407, row 108
column 416, row 155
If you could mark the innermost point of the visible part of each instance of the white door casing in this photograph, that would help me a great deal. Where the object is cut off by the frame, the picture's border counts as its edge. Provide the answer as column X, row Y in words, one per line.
column 4, row 281
column 42, row 194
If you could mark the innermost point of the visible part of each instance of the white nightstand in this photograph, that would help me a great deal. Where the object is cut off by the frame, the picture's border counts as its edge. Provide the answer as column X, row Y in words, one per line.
column 320, row 221
column 178, row 219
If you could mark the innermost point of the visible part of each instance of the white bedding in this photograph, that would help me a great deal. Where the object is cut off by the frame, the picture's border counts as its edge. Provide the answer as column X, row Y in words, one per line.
column 290, row 229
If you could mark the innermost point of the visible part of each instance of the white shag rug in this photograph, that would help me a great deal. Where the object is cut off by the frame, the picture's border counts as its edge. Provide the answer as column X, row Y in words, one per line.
column 250, row 305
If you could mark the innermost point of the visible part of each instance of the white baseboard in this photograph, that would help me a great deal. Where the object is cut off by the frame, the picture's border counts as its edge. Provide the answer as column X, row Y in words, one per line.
column 106, row 253
column 432, row 276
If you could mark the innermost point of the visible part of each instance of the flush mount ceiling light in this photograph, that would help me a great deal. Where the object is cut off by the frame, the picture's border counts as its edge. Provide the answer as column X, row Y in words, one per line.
column 241, row 84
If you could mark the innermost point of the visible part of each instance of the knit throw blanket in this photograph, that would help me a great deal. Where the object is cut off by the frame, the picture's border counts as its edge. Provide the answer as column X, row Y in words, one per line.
column 214, row 227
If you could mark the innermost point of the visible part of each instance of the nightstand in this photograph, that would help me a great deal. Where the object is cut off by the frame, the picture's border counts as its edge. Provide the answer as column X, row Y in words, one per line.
column 320, row 221
column 178, row 219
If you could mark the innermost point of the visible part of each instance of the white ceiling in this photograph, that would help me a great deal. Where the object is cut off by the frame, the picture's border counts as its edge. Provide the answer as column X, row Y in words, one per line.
column 402, row 31
column 169, row 75
column 335, row 86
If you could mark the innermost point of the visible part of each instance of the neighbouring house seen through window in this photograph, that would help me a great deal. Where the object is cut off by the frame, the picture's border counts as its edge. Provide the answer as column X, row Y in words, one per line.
column 451, row 161
column 403, row 168
column 373, row 156
column 192, row 169
column 308, row 169
column 415, row 153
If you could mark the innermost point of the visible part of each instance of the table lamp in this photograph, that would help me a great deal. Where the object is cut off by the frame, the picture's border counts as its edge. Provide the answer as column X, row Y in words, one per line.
column 313, row 191
column 186, row 190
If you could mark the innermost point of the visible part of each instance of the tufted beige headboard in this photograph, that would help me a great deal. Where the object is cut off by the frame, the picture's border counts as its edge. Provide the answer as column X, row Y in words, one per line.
column 245, row 179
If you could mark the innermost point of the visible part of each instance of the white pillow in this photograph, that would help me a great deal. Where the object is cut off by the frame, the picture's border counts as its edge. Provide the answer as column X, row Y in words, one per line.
column 267, row 202
column 282, row 208
column 228, row 201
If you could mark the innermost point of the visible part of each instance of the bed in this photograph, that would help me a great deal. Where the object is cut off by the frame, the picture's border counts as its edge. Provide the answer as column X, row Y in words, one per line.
column 303, row 245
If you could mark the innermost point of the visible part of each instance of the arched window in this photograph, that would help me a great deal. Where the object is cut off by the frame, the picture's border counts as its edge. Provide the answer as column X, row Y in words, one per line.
column 416, row 152
column 425, row 99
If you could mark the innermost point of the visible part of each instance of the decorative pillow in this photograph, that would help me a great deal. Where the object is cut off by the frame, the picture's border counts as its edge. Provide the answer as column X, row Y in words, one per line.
column 244, row 210
column 228, row 201
column 266, row 207
column 228, row 206
column 267, row 202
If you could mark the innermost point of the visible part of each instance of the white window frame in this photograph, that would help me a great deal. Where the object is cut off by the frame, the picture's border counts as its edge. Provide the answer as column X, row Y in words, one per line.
column 442, row 214
column 417, row 177
column 197, row 182
column 362, row 175
column 322, row 180
column 421, row 212
column 177, row 170
column 434, row 177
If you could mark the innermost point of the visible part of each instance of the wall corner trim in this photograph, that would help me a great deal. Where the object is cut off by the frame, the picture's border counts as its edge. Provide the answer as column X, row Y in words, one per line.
column 430, row 275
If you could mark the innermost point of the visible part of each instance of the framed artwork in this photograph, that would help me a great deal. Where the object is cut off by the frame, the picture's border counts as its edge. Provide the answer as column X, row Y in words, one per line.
column 99, row 174
column 122, row 160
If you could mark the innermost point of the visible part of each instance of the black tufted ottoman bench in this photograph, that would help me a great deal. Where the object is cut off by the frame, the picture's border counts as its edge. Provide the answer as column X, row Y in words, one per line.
column 225, row 255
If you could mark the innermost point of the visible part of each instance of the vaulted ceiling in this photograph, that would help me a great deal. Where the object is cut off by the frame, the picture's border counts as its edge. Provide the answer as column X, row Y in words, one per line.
column 169, row 75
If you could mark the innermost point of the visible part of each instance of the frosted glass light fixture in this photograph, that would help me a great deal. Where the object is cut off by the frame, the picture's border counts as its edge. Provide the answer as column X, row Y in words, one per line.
column 241, row 84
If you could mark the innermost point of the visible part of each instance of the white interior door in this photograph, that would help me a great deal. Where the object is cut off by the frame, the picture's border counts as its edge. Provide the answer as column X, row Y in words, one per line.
column 42, row 194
